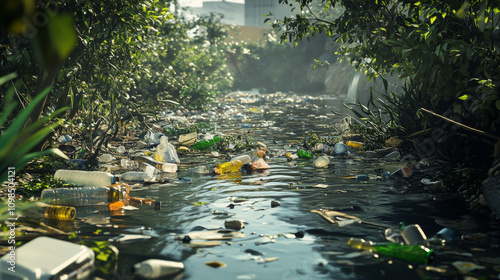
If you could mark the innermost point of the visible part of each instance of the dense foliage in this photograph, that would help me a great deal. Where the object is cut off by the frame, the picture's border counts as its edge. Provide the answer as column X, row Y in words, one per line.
column 446, row 50
column 108, row 61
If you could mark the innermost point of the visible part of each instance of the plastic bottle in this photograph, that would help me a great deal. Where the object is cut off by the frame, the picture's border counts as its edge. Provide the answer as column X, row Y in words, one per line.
column 253, row 154
column 340, row 148
column 154, row 268
column 303, row 154
column 86, row 178
column 166, row 151
column 354, row 144
column 51, row 212
column 203, row 144
column 245, row 159
column 61, row 213
column 169, row 167
column 137, row 176
column 84, row 196
column 411, row 253
column 146, row 159
column 228, row 167
column 65, row 138
column 321, row 161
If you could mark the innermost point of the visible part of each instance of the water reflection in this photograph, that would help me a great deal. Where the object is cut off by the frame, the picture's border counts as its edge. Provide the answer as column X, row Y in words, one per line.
column 206, row 201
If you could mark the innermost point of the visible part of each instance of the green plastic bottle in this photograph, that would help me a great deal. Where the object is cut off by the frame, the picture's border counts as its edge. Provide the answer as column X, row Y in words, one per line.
column 303, row 154
column 411, row 253
column 203, row 144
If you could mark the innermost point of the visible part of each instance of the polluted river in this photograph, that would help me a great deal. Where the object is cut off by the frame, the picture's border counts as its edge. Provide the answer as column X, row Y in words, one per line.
column 294, row 219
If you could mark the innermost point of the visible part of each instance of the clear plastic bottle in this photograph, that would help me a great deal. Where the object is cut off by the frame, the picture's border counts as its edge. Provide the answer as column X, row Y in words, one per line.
column 411, row 253
column 253, row 154
column 245, row 159
column 228, row 167
column 86, row 178
column 154, row 268
column 166, row 151
column 84, row 196
column 137, row 176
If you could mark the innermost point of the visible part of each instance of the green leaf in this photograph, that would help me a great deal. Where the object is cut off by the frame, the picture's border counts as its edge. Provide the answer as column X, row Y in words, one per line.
column 62, row 34
column 464, row 97
column 497, row 104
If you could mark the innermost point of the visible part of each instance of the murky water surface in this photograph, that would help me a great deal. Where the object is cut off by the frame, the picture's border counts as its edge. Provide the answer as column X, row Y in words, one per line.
column 194, row 202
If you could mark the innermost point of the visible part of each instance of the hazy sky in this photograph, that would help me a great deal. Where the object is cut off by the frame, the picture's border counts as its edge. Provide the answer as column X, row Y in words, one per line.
column 198, row 3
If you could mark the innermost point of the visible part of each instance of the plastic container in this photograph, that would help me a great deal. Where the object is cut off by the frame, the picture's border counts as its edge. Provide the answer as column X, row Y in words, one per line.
column 291, row 156
column 84, row 196
column 86, row 178
column 166, row 151
column 146, row 159
column 106, row 158
column 169, row 167
column 245, row 159
column 228, row 167
column 340, row 148
column 45, row 258
column 60, row 213
column 136, row 176
column 354, row 144
column 253, row 154
column 152, row 138
column 154, row 268
column 321, row 162
column 303, row 154
column 411, row 253
column 65, row 138
column 413, row 234
column 320, row 147
column 51, row 212
column 203, row 144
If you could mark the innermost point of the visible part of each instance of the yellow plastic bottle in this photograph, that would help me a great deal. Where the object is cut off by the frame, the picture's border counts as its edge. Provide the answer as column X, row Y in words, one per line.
column 228, row 167
column 61, row 213
column 354, row 144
